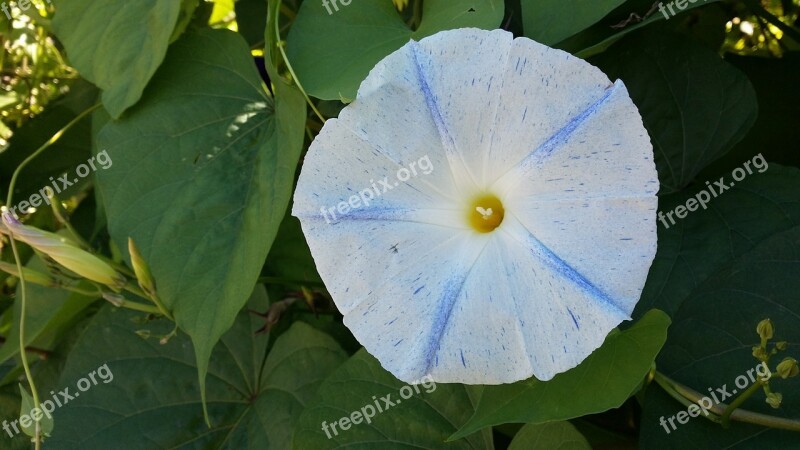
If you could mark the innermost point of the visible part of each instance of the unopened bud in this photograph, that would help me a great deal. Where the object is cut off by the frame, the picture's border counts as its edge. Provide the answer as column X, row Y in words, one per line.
column 400, row 4
column 31, row 275
column 759, row 353
column 765, row 329
column 115, row 299
column 64, row 252
column 788, row 368
column 782, row 345
column 141, row 269
column 774, row 399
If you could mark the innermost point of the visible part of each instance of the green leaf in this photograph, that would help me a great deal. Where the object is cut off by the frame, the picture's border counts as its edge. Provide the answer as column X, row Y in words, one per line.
column 251, row 16
column 694, row 105
column 693, row 249
column 549, row 436
column 333, row 52
column 117, row 46
column 710, row 346
column 10, row 406
column 601, row 382
column 600, row 37
column 202, row 173
column 28, row 412
column 254, row 399
column 552, row 21
column 49, row 312
column 418, row 416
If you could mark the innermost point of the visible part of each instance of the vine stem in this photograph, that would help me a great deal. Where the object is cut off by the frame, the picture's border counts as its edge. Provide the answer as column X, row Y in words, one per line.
column 688, row 396
column 159, row 309
column 725, row 420
column 44, row 147
column 37, row 438
column 279, row 45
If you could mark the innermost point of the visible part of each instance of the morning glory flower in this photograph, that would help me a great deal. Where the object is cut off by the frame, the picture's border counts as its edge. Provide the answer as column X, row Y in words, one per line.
column 528, row 240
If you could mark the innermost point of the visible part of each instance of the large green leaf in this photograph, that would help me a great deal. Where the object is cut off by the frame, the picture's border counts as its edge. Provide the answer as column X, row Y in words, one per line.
column 551, row 21
column 202, row 175
column 116, row 45
column 642, row 13
column 711, row 342
column 694, row 105
column 601, row 382
column 690, row 251
column 153, row 400
column 333, row 52
column 549, row 436
column 419, row 416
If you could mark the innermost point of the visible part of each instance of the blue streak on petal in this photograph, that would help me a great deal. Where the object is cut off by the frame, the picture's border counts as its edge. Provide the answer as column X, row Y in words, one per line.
column 555, row 262
column 452, row 289
column 448, row 143
column 442, row 316
column 430, row 100
column 561, row 136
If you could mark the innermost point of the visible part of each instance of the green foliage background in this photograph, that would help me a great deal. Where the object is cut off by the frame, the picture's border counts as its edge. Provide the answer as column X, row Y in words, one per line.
column 206, row 108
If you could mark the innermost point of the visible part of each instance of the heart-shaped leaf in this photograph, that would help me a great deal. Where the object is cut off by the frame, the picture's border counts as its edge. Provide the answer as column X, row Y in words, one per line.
column 697, row 246
column 106, row 41
column 333, row 46
column 202, row 173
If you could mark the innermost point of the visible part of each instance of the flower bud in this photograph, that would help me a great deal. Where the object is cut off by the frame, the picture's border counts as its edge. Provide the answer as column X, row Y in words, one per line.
column 774, row 399
column 788, row 368
column 765, row 329
column 141, row 269
column 31, row 275
column 400, row 4
column 782, row 345
column 115, row 299
column 64, row 252
column 759, row 353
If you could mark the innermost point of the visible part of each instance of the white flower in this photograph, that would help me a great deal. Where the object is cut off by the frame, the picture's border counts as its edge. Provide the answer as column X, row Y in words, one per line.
column 529, row 241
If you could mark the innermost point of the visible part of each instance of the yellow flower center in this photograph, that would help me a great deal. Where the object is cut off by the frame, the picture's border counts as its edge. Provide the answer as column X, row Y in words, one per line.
column 485, row 213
